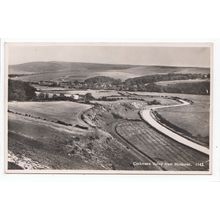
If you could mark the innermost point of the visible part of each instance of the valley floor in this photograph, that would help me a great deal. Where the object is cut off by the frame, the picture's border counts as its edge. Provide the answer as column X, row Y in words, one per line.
column 107, row 135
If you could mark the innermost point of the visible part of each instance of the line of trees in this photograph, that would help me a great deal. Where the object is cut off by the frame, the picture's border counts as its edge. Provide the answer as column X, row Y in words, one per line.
column 199, row 88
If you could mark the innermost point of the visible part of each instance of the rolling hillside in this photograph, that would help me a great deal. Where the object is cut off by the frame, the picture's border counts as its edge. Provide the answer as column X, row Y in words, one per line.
column 37, row 71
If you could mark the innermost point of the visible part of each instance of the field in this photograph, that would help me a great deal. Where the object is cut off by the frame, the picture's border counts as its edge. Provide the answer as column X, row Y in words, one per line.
column 95, row 93
column 67, row 112
column 191, row 118
column 180, row 95
column 162, row 98
column 159, row 148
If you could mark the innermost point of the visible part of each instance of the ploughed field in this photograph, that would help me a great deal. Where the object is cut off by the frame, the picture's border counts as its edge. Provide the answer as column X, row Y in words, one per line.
column 162, row 150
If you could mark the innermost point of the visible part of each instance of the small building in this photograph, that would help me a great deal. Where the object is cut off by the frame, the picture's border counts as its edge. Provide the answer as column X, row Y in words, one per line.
column 75, row 97
column 46, row 83
column 37, row 93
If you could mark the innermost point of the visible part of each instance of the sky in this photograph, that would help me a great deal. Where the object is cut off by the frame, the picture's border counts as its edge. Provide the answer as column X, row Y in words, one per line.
column 154, row 54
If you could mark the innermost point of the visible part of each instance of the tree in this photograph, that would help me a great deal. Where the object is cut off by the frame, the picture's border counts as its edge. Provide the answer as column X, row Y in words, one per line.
column 41, row 96
column 88, row 97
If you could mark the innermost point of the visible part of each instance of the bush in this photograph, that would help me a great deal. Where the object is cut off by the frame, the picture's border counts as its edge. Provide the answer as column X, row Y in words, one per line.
column 154, row 102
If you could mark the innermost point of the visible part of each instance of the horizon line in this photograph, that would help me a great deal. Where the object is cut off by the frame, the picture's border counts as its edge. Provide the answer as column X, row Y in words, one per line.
column 156, row 65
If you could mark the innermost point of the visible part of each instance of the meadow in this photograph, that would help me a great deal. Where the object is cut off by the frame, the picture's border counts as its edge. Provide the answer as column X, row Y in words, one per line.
column 63, row 111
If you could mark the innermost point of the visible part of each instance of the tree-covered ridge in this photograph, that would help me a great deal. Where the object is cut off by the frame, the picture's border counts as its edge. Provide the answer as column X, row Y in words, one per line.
column 149, row 83
column 197, row 88
column 165, row 77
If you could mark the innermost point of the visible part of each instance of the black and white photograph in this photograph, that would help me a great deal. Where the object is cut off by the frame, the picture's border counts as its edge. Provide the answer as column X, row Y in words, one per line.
column 112, row 108
column 109, row 110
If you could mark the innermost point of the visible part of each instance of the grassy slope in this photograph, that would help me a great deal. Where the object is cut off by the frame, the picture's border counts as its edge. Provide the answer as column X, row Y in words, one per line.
column 41, row 143
column 53, row 147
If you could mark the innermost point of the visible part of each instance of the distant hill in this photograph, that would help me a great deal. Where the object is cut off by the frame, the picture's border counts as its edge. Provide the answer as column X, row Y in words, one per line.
column 53, row 66
column 58, row 71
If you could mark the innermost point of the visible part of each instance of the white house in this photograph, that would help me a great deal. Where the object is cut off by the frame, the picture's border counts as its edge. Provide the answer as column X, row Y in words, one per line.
column 75, row 97
column 37, row 93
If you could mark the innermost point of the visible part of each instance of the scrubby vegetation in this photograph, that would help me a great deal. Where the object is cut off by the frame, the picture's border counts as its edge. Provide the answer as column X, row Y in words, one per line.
column 102, row 79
